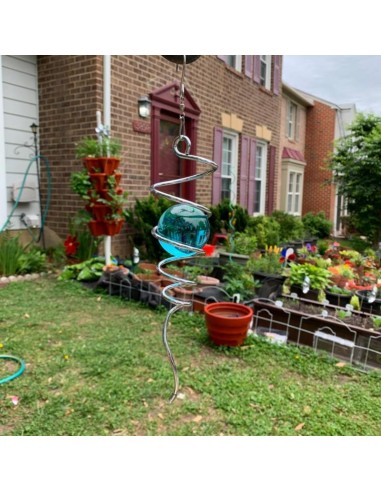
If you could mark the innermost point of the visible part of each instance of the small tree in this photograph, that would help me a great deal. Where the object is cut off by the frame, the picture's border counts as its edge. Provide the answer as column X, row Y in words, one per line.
column 356, row 167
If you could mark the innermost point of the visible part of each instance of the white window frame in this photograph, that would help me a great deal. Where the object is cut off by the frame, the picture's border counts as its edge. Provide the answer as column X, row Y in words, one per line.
column 262, row 177
column 233, row 137
column 3, row 185
column 293, row 192
column 292, row 120
column 266, row 81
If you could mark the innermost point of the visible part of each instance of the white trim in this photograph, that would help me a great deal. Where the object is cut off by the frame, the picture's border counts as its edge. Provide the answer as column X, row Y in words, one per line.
column 267, row 59
column 3, row 185
column 234, row 164
column 263, row 179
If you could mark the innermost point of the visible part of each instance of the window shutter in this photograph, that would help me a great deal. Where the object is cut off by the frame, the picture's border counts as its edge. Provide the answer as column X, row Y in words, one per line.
column 249, row 66
column 217, row 157
column 243, row 178
column 271, row 190
column 297, row 123
column 251, row 181
column 276, row 74
column 257, row 68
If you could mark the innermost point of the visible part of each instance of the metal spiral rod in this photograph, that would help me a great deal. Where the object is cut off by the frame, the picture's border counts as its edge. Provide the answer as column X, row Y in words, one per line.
column 184, row 251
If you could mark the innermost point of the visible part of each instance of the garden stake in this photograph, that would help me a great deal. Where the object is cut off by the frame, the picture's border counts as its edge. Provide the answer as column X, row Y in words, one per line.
column 183, row 229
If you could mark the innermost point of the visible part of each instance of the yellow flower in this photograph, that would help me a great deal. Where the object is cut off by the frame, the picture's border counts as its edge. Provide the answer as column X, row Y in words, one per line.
column 66, row 357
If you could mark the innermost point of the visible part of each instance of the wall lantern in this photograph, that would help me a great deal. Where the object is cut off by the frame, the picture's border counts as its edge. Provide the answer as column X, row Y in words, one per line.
column 144, row 105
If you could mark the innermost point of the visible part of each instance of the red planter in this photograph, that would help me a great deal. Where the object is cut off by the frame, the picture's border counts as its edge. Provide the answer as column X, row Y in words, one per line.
column 97, row 228
column 113, row 227
column 100, row 211
column 105, row 165
column 98, row 180
column 228, row 322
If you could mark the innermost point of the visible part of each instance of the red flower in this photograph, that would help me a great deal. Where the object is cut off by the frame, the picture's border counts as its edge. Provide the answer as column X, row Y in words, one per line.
column 71, row 245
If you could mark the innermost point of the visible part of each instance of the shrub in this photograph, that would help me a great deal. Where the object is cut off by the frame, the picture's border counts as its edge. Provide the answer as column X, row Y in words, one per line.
column 317, row 225
column 291, row 227
column 142, row 217
column 266, row 230
column 242, row 243
column 223, row 213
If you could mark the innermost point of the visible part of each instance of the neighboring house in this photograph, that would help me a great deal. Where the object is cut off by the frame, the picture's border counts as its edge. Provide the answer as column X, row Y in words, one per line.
column 293, row 144
column 232, row 107
column 18, row 111
column 326, row 122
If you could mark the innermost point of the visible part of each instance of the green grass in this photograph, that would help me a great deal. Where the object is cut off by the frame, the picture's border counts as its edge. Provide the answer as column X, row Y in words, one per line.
column 95, row 365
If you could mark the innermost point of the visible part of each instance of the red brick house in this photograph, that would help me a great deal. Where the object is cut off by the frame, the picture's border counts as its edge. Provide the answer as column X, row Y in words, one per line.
column 232, row 107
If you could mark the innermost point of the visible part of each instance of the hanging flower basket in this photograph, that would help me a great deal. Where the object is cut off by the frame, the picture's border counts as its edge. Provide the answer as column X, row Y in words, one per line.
column 100, row 211
column 97, row 228
column 98, row 180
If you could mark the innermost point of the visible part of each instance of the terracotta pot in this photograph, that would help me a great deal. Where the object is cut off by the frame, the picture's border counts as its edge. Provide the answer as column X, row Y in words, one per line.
column 108, row 164
column 228, row 322
column 205, row 281
column 113, row 227
column 105, row 193
column 97, row 228
column 98, row 180
column 91, row 164
column 100, row 211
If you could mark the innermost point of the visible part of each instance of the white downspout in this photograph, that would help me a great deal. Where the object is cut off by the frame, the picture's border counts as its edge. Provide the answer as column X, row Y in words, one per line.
column 107, row 124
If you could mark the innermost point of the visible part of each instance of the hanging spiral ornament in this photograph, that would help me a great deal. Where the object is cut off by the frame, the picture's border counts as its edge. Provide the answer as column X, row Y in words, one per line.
column 183, row 229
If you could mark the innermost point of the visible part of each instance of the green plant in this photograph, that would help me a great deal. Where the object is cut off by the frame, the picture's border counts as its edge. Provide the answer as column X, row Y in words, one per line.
column 343, row 313
column 319, row 277
column 334, row 289
column 117, row 202
column 142, row 217
column 92, row 147
column 377, row 322
column 32, row 260
column 266, row 263
column 224, row 213
column 355, row 302
column 237, row 280
column 322, row 246
column 317, row 225
column 265, row 229
column 10, row 253
column 242, row 243
column 80, row 183
column 87, row 270
column 291, row 227
column 87, row 244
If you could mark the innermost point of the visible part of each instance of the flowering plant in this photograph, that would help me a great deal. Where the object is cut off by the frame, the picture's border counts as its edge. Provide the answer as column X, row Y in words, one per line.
column 71, row 245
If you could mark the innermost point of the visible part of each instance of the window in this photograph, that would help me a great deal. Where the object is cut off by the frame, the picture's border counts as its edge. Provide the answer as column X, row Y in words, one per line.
column 292, row 123
column 294, row 193
column 265, row 71
column 260, row 178
column 234, row 61
column 229, row 167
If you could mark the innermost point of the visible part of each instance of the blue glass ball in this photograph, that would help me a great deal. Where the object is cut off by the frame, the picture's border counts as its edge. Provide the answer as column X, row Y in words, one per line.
column 185, row 224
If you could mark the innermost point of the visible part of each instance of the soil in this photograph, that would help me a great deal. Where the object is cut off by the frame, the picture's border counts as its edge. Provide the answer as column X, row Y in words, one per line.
column 355, row 319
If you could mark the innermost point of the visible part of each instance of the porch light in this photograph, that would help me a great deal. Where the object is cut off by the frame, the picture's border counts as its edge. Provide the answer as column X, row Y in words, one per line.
column 144, row 106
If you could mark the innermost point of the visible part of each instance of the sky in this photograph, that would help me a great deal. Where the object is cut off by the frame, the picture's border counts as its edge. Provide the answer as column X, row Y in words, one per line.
column 339, row 79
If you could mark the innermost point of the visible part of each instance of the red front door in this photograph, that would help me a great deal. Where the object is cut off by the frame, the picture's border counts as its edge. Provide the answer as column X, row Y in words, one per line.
column 170, row 166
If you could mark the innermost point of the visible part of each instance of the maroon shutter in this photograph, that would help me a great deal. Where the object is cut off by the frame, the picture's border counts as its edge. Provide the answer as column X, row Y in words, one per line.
column 276, row 74
column 217, row 157
column 243, row 178
column 257, row 68
column 271, row 187
column 251, row 181
column 249, row 66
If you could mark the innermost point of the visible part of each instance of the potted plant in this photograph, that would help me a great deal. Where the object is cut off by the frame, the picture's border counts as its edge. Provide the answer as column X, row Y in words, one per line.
column 338, row 296
column 269, row 271
column 227, row 323
column 99, row 156
column 238, row 248
column 309, row 281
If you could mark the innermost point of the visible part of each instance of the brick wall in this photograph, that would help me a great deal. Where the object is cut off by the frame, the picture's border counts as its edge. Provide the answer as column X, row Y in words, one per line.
column 71, row 92
column 320, row 133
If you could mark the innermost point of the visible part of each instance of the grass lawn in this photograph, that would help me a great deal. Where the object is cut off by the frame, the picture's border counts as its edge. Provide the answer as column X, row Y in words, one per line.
column 96, row 365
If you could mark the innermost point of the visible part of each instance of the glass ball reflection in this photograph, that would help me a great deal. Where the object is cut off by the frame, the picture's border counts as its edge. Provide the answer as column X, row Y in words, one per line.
column 184, row 224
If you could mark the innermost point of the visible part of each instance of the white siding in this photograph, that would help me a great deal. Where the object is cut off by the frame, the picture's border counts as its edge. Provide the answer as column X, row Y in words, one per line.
column 18, row 110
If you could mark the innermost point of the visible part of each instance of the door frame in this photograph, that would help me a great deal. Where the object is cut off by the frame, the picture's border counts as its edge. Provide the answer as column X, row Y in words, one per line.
column 165, row 102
